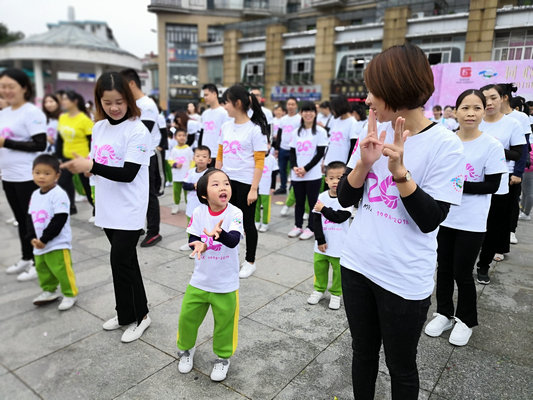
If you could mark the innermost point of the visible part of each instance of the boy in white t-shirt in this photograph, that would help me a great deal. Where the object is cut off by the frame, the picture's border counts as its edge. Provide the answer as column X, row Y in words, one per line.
column 51, row 237
column 180, row 160
column 264, row 198
column 331, row 223
column 215, row 229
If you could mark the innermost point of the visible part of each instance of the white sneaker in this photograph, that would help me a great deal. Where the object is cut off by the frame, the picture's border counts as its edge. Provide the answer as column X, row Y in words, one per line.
column 28, row 275
column 67, row 303
column 45, row 297
column 263, row 228
column 91, row 220
column 306, row 234
column 111, row 324
column 295, row 232
column 186, row 360
column 315, row 297
column 460, row 334
column 334, row 302
column 185, row 247
column 78, row 197
column 10, row 220
column 438, row 325
column 220, row 369
column 524, row 217
column 257, row 225
column 21, row 265
column 135, row 331
column 306, row 216
column 498, row 257
column 513, row 239
column 284, row 211
column 247, row 270
column 175, row 209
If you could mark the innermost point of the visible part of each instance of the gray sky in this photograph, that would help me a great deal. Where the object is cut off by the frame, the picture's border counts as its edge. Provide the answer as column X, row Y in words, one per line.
column 129, row 19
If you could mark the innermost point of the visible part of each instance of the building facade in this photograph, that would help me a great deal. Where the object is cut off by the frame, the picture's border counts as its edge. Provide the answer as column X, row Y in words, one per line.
column 316, row 49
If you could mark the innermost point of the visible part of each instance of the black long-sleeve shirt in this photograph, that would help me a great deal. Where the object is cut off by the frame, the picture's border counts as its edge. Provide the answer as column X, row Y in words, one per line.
column 37, row 143
column 336, row 216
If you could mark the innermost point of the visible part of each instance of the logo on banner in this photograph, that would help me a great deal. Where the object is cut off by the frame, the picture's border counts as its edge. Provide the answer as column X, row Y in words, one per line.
column 487, row 73
column 466, row 72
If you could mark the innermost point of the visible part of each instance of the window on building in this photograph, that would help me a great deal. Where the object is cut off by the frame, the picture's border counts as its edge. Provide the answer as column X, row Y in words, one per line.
column 254, row 73
column 352, row 67
column 299, row 71
column 182, row 54
column 513, row 45
column 215, row 34
column 215, row 70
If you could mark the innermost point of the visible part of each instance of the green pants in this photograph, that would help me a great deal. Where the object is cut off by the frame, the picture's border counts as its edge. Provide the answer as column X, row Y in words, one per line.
column 225, row 307
column 55, row 268
column 168, row 171
column 263, row 200
column 321, row 265
column 177, row 192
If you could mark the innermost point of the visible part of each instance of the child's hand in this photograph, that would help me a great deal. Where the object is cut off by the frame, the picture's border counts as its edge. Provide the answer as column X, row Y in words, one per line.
column 37, row 244
column 318, row 206
column 178, row 165
column 272, row 191
column 199, row 248
column 215, row 233
column 323, row 247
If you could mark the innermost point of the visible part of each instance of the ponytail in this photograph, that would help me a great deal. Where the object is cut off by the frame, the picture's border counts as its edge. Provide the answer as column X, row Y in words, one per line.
column 248, row 101
column 258, row 116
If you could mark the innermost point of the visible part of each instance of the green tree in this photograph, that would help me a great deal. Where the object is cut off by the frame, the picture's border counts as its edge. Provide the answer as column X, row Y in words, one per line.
column 6, row 36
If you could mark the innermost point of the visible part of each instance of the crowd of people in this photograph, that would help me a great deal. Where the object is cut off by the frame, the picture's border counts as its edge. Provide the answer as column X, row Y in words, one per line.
column 388, row 194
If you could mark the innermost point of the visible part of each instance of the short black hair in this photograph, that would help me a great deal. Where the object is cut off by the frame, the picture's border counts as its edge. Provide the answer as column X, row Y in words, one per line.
column 203, row 148
column 201, row 185
column 211, row 87
column 335, row 165
column 47, row 159
column 21, row 78
column 340, row 106
column 131, row 75
column 325, row 104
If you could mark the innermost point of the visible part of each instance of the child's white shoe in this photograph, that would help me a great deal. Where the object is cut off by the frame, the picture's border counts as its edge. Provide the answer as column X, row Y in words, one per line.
column 175, row 209
column 263, row 228
column 185, row 247
column 315, row 297
column 186, row 360
column 334, row 302
column 67, row 303
column 284, row 211
column 220, row 369
column 257, row 225
column 45, row 297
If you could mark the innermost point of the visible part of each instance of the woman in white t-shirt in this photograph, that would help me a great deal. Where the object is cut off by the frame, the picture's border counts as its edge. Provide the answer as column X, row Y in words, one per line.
column 241, row 154
column 52, row 110
column 406, row 180
column 343, row 133
column 192, row 112
column 119, row 160
column 308, row 145
column 461, row 234
column 22, row 137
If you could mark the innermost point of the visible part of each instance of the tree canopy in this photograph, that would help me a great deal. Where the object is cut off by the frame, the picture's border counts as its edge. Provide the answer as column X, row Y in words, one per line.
column 6, row 36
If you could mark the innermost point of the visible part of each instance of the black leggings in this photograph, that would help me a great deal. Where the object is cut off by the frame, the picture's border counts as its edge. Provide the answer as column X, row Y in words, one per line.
column 514, row 205
column 130, row 297
column 18, row 196
column 303, row 190
column 456, row 256
column 498, row 230
column 65, row 181
column 239, row 198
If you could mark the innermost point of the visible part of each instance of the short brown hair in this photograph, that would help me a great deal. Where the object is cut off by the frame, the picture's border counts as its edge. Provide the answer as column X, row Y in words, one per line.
column 401, row 77
column 114, row 81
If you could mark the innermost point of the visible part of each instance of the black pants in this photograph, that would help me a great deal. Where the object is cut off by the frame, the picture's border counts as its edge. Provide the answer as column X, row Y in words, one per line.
column 456, row 256
column 283, row 161
column 130, row 297
column 305, row 190
column 65, row 181
column 376, row 315
column 514, row 205
column 239, row 198
column 18, row 196
column 498, row 230
column 153, row 217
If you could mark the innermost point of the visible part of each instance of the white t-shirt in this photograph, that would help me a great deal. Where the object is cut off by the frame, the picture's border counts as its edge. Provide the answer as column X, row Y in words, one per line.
column 192, row 197
column 271, row 165
column 193, row 128
column 121, row 205
column 275, row 126
column 181, row 155
column 289, row 126
column 450, row 123
column 326, row 120
column 239, row 142
column 42, row 208
column 335, row 234
column 195, row 117
column 523, row 119
column 149, row 112
column 385, row 244
column 218, row 269
column 161, row 123
column 212, row 121
column 306, row 147
column 19, row 125
column 268, row 114
column 51, row 129
column 484, row 156
column 340, row 134
column 171, row 144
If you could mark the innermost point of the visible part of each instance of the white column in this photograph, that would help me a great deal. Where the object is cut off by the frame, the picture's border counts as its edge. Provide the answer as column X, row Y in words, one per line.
column 98, row 70
column 39, row 82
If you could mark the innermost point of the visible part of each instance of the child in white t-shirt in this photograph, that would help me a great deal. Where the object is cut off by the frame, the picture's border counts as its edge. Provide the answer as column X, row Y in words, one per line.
column 264, row 198
column 51, row 237
column 215, row 231
column 331, row 223
column 180, row 159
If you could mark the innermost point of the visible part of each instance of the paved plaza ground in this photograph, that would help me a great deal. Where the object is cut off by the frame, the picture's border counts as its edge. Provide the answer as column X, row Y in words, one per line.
column 287, row 348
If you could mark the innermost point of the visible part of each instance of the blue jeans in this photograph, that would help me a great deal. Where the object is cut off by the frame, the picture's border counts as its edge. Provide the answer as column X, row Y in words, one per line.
column 376, row 315
column 283, row 161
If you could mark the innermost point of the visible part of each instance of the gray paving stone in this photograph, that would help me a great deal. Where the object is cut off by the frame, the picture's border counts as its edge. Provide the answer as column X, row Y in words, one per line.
column 17, row 298
column 299, row 249
column 12, row 388
column 43, row 331
column 156, row 255
column 316, row 324
column 95, row 246
column 3, row 370
column 169, row 383
column 254, row 293
column 285, row 271
column 97, row 273
column 98, row 367
column 266, row 360
column 477, row 374
column 175, row 274
column 507, row 299
column 174, row 241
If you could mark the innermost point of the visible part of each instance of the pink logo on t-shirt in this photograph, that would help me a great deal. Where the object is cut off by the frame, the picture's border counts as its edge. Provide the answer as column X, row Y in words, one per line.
column 181, row 160
column 304, row 146
column 355, row 147
column 209, row 125
column 327, row 221
column 231, row 147
column 50, row 132
column 288, row 129
column 265, row 170
column 104, row 154
column 390, row 200
column 471, row 172
column 210, row 243
column 39, row 217
column 335, row 136
column 7, row 133
column 190, row 223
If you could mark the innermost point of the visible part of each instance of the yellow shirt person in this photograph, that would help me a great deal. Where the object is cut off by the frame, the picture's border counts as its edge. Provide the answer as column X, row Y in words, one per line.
column 74, row 132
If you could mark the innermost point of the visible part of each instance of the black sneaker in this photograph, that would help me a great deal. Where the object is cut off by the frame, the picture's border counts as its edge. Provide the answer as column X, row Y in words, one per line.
column 483, row 278
column 281, row 191
column 150, row 241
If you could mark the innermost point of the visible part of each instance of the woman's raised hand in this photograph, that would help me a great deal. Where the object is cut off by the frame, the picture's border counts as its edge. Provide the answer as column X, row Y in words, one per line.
column 78, row 165
column 394, row 151
column 371, row 146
